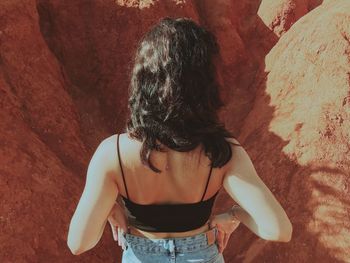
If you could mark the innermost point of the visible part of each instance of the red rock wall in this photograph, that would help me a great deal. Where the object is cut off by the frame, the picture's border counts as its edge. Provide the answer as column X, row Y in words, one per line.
column 64, row 69
column 298, row 134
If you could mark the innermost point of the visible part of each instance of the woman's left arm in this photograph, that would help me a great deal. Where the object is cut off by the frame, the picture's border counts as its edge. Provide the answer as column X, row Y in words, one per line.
column 97, row 200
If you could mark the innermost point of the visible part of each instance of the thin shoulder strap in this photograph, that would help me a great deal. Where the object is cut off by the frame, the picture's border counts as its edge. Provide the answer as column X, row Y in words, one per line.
column 211, row 168
column 121, row 167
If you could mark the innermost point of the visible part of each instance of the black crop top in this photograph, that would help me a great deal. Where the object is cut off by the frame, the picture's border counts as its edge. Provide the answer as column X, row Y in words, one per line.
column 167, row 217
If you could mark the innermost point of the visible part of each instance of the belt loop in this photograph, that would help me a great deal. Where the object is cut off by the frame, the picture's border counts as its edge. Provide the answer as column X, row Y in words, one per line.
column 123, row 240
column 215, row 229
column 171, row 245
column 211, row 236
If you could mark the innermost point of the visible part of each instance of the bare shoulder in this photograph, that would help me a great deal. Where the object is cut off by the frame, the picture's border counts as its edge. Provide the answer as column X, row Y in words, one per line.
column 109, row 144
column 230, row 139
column 107, row 149
column 235, row 147
column 233, row 142
column 240, row 166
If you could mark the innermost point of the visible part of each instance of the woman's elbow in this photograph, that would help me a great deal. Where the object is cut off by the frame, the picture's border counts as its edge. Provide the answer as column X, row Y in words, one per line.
column 287, row 232
column 74, row 249
column 74, row 246
column 284, row 234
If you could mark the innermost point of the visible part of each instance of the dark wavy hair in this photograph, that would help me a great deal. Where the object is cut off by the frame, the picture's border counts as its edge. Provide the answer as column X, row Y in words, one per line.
column 174, row 94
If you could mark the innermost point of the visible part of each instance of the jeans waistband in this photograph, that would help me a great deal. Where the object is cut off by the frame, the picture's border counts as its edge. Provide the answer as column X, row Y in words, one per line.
column 179, row 244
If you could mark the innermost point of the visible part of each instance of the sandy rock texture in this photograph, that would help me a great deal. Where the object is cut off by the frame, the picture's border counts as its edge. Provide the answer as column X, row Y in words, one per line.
column 300, row 120
column 280, row 15
column 284, row 71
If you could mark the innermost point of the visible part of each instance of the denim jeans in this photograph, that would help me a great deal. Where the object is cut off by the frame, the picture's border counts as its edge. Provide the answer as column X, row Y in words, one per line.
column 193, row 249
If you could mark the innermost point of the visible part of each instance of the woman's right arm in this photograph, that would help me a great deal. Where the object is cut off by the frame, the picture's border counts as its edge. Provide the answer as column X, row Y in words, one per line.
column 259, row 210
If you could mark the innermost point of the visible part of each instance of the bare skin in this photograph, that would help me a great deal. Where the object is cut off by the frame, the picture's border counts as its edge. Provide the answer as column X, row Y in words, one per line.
column 183, row 179
column 187, row 174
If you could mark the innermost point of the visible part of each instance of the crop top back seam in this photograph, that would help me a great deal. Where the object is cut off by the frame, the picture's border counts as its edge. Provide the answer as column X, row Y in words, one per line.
column 126, row 189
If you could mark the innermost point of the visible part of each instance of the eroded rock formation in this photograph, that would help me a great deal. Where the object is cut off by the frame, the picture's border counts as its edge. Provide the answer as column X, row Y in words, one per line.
column 300, row 120
column 64, row 69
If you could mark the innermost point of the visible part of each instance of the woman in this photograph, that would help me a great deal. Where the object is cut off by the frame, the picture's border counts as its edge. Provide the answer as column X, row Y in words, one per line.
column 175, row 156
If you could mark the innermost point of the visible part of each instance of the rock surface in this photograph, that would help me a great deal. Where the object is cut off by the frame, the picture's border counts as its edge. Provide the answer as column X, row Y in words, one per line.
column 301, row 121
column 64, row 69
column 280, row 15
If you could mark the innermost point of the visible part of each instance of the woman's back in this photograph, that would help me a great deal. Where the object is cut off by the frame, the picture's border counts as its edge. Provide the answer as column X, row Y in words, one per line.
column 183, row 178
column 174, row 104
